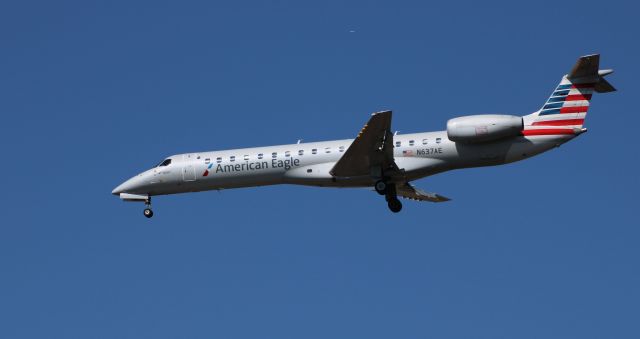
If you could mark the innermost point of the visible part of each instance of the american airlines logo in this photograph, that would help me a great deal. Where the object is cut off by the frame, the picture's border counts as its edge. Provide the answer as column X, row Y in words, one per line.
column 206, row 171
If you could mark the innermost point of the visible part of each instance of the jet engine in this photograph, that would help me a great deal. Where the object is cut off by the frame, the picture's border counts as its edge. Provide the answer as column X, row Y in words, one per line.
column 483, row 128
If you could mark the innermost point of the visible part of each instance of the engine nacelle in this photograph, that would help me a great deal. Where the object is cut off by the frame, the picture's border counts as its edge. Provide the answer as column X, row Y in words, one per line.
column 483, row 128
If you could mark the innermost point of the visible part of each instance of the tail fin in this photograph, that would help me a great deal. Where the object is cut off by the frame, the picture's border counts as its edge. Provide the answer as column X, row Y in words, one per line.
column 565, row 111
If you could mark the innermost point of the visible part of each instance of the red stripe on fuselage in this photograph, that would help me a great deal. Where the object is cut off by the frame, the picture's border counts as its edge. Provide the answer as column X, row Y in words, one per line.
column 547, row 131
column 567, row 122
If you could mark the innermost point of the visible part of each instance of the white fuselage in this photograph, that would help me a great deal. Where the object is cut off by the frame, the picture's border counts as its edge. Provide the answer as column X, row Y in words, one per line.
column 418, row 154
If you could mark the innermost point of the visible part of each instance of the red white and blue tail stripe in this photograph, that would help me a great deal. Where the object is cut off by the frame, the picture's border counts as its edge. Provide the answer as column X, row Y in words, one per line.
column 565, row 110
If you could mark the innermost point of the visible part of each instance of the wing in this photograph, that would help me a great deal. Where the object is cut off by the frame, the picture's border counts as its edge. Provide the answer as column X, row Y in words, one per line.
column 372, row 148
column 407, row 191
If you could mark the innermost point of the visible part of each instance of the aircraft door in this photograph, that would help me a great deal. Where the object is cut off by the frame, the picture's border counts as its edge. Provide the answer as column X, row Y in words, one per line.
column 188, row 168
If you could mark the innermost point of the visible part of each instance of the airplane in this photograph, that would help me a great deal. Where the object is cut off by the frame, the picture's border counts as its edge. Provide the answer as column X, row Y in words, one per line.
column 380, row 159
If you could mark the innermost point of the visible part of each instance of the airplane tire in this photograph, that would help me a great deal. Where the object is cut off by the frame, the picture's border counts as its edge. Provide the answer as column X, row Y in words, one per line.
column 395, row 205
column 148, row 212
column 380, row 187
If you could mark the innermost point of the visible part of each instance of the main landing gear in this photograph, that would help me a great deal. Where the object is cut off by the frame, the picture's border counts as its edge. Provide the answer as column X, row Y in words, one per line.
column 389, row 191
column 381, row 187
column 394, row 204
column 148, row 212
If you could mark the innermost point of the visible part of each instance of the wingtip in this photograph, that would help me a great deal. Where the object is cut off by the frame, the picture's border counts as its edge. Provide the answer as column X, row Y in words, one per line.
column 442, row 199
column 381, row 112
column 590, row 55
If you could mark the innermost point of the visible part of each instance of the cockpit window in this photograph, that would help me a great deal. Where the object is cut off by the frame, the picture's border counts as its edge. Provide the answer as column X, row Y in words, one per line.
column 164, row 162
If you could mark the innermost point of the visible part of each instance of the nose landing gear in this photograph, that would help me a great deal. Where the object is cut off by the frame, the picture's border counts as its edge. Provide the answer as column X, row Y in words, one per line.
column 148, row 212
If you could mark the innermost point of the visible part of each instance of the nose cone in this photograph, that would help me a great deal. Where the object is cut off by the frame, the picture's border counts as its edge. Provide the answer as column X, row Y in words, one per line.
column 122, row 188
column 119, row 189
column 132, row 185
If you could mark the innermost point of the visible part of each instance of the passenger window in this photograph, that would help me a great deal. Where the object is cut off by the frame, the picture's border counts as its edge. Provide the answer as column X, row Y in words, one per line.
column 341, row 148
column 438, row 140
column 260, row 155
column 287, row 154
column 398, row 143
column 425, row 141
column 301, row 152
column 218, row 160
column 314, row 151
column 207, row 160
column 274, row 155
column 411, row 142
column 232, row 158
column 327, row 150
column 246, row 157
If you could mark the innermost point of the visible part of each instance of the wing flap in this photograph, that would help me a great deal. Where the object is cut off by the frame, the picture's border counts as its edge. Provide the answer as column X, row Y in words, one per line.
column 407, row 191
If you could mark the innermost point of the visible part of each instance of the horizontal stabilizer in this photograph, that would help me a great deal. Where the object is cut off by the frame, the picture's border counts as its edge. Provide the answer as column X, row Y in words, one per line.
column 586, row 66
column 603, row 86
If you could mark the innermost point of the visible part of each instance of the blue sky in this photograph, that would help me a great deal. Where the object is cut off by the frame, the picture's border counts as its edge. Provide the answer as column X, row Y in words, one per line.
column 94, row 92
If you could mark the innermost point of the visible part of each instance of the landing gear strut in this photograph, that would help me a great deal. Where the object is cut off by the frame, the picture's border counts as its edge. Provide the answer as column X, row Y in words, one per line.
column 392, row 198
column 147, row 211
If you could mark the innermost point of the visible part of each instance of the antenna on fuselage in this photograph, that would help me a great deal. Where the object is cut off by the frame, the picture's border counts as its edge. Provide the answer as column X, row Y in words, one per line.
column 299, row 141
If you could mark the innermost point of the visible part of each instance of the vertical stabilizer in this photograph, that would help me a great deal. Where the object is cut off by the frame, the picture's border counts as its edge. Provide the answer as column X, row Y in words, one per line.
column 566, row 109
